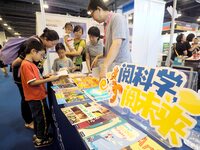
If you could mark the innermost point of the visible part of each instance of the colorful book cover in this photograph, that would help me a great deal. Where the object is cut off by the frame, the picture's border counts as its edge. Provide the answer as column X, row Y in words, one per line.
column 96, row 122
column 115, row 138
column 91, row 130
column 61, row 81
column 62, row 86
column 97, row 94
column 143, row 144
column 86, row 82
column 83, row 112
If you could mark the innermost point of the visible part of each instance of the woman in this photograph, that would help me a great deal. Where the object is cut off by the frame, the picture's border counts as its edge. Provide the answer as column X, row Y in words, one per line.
column 78, row 52
column 3, row 66
column 190, row 48
column 94, row 48
column 49, row 39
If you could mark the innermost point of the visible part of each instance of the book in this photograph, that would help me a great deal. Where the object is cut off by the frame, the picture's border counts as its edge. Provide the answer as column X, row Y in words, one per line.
column 62, row 86
column 97, row 94
column 96, row 122
column 83, row 112
column 62, row 81
column 114, row 138
column 86, row 82
column 62, row 72
column 86, row 132
column 145, row 143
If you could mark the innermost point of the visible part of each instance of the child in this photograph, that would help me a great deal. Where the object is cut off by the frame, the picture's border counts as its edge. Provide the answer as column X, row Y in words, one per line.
column 62, row 61
column 67, row 38
column 35, row 92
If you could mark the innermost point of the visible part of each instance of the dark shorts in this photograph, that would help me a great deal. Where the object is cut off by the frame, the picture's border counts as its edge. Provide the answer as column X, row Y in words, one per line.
column 2, row 65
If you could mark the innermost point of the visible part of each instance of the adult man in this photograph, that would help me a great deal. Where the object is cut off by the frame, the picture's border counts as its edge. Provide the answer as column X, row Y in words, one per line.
column 115, row 35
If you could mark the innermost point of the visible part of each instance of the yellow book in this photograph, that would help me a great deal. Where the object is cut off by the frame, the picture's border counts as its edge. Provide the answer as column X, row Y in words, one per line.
column 144, row 144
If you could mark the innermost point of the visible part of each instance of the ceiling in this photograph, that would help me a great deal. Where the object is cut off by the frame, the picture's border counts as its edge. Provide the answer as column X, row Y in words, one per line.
column 20, row 14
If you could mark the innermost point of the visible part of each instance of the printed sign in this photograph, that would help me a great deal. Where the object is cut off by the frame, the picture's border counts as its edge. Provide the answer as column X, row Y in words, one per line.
column 157, row 95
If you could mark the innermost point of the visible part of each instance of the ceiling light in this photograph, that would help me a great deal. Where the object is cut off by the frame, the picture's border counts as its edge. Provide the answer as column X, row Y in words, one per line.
column 16, row 33
column 105, row 1
column 5, row 24
column 1, row 19
column 9, row 28
column 46, row 6
column 89, row 12
column 19, row 36
column 198, row 19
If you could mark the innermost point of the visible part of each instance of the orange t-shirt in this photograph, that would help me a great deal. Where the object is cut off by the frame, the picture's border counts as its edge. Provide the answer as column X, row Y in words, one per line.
column 29, row 73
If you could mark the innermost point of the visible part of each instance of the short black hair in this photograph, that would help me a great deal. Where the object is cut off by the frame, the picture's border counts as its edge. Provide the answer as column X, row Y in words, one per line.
column 34, row 43
column 93, row 4
column 68, row 24
column 59, row 46
column 190, row 37
column 50, row 35
column 94, row 31
column 78, row 28
column 179, row 38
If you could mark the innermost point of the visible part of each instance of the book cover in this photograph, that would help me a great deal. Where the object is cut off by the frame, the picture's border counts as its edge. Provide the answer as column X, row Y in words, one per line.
column 83, row 112
column 91, row 130
column 96, row 122
column 115, row 138
column 97, row 94
column 143, row 144
column 86, row 82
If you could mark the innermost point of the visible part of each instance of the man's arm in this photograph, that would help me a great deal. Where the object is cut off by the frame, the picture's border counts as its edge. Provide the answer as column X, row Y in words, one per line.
column 112, row 54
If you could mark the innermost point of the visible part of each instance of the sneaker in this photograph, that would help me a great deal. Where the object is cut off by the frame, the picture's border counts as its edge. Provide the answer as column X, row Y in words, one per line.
column 42, row 142
column 29, row 125
column 34, row 138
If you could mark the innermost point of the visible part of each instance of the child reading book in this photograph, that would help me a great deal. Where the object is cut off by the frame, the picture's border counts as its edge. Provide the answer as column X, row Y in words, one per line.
column 62, row 61
column 35, row 92
column 68, row 40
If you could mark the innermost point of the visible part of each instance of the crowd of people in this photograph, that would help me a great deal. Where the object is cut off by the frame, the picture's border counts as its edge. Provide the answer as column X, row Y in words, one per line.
column 28, row 68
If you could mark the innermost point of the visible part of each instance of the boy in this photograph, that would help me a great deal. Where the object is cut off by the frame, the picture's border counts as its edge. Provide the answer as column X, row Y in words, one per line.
column 35, row 92
column 67, row 38
column 62, row 61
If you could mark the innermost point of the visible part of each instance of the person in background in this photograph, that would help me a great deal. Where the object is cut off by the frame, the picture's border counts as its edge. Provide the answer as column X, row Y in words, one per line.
column 35, row 92
column 180, row 48
column 116, row 33
column 190, row 48
column 67, row 38
column 3, row 66
column 78, row 52
column 94, row 48
column 62, row 61
column 49, row 39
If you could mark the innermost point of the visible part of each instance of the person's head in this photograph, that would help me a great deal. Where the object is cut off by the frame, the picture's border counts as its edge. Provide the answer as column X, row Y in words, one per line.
column 196, row 41
column 190, row 37
column 49, row 38
column 180, row 38
column 68, row 28
column 78, row 32
column 35, row 49
column 97, row 9
column 94, row 34
column 60, row 49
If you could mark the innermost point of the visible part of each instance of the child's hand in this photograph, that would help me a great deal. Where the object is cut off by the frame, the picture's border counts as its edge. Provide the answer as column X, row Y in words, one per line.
column 48, row 75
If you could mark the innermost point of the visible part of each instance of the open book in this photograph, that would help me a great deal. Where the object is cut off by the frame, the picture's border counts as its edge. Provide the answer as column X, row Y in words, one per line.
column 62, row 72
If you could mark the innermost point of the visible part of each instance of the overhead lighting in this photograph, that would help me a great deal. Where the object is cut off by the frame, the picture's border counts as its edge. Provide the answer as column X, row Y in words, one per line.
column 16, row 33
column 1, row 19
column 46, row 6
column 89, row 12
column 5, row 24
column 105, row 1
column 198, row 19
column 9, row 28
column 179, row 14
column 19, row 36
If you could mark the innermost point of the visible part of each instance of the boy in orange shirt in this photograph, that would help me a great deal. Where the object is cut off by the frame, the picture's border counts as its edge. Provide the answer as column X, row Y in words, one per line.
column 35, row 92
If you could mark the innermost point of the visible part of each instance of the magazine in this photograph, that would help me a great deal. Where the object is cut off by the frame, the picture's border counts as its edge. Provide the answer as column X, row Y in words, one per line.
column 114, row 138
column 145, row 143
column 86, row 82
column 83, row 112
column 97, row 94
